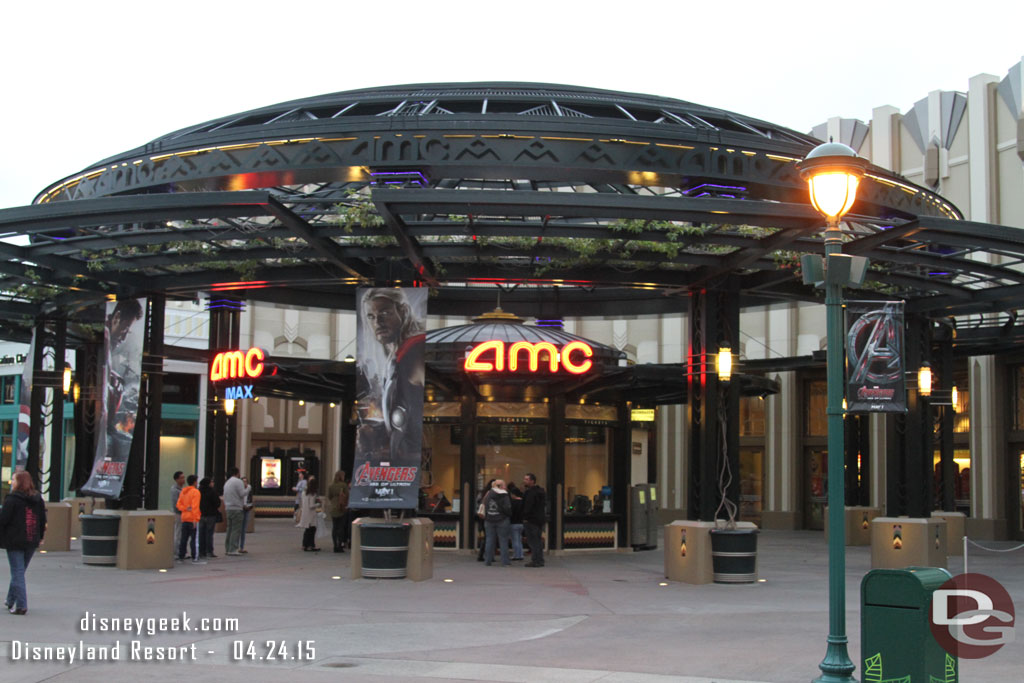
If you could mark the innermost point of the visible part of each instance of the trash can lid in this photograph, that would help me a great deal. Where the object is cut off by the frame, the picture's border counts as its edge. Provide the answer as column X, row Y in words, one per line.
column 908, row 587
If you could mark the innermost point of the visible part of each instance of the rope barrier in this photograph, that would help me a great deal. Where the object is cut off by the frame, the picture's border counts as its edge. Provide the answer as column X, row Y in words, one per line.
column 991, row 550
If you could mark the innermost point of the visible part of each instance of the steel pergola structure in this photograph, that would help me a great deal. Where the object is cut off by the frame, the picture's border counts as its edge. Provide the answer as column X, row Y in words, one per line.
column 572, row 201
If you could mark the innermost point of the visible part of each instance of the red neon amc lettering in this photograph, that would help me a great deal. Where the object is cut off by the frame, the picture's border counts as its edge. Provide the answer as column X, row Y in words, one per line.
column 237, row 365
column 474, row 363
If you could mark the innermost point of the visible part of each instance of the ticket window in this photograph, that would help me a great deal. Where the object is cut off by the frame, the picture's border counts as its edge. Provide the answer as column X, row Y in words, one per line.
column 439, row 477
column 587, row 467
column 751, row 484
column 509, row 451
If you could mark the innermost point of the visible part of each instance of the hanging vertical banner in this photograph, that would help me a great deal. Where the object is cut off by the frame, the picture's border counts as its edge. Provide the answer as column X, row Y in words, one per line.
column 874, row 357
column 25, row 411
column 123, row 337
column 389, row 387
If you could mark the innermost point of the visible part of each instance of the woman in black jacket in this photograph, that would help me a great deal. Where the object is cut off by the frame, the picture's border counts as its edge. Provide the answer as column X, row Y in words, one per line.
column 22, row 525
column 209, row 509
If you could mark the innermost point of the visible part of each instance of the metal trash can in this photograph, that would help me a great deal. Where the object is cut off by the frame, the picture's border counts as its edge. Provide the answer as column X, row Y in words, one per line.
column 895, row 636
column 99, row 538
column 385, row 550
column 734, row 555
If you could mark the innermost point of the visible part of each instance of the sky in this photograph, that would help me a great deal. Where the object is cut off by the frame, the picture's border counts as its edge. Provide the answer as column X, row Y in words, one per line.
column 84, row 81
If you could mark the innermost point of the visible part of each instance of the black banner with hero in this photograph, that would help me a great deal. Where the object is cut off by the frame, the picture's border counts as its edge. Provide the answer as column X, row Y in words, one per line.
column 123, row 339
column 874, row 357
column 389, row 387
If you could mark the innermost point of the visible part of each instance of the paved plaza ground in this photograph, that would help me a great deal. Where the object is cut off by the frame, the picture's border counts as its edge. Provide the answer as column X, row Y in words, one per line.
column 584, row 617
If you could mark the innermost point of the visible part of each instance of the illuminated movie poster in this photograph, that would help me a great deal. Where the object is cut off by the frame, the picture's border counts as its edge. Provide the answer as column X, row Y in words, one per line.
column 270, row 473
column 389, row 388
column 123, row 337
column 874, row 357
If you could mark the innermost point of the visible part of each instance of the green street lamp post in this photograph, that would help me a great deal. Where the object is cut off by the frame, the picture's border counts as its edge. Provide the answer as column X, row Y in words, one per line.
column 833, row 171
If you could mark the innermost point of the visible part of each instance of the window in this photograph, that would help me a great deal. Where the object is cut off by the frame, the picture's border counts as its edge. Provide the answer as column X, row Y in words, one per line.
column 751, row 416
column 8, row 389
column 815, row 417
column 440, row 473
column 587, row 465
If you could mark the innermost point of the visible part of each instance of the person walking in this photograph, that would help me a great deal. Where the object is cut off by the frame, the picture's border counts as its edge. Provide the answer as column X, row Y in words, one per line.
column 22, row 525
column 247, row 511
column 307, row 515
column 234, row 505
column 188, row 505
column 337, row 499
column 534, row 518
column 176, row 486
column 209, row 509
column 498, row 512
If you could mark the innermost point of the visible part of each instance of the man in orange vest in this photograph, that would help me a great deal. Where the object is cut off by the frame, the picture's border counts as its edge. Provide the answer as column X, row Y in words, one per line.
column 188, row 504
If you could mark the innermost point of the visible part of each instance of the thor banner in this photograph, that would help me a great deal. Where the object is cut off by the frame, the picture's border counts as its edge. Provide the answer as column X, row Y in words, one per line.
column 389, row 387
column 874, row 357
column 123, row 336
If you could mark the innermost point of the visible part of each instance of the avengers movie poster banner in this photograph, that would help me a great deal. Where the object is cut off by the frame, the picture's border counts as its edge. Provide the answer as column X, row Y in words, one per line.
column 25, row 410
column 874, row 357
column 390, row 342
column 122, row 344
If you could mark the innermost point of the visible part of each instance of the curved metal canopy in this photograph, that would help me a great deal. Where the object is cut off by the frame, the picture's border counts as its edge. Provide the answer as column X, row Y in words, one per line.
column 575, row 202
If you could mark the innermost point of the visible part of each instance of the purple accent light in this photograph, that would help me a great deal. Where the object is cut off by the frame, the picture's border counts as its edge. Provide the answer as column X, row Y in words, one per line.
column 400, row 177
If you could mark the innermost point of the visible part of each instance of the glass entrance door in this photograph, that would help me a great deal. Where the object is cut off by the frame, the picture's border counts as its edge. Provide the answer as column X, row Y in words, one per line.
column 751, row 484
column 815, row 488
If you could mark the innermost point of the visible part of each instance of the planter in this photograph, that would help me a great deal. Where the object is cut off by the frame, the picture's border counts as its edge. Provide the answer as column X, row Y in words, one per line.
column 385, row 550
column 734, row 555
column 99, row 538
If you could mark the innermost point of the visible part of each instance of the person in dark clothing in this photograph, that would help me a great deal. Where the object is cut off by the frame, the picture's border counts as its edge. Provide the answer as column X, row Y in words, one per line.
column 479, row 501
column 209, row 509
column 22, row 525
column 516, row 528
column 534, row 518
column 498, row 509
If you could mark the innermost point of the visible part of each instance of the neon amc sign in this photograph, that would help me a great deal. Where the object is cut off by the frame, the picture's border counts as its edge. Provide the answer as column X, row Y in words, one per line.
column 491, row 356
column 238, row 364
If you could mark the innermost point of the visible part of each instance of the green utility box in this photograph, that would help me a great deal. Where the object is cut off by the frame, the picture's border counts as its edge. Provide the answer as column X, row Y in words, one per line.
column 896, row 642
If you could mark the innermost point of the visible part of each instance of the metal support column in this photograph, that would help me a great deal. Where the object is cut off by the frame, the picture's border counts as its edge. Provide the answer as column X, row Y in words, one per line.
column 714, row 322
column 909, row 460
column 56, row 489
column 467, row 468
column 33, row 465
column 556, row 474
column 225, row 320
column 947, row 467
column 153, row 371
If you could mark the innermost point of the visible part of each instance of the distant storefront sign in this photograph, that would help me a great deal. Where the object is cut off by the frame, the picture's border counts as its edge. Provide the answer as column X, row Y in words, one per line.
column 642, row 415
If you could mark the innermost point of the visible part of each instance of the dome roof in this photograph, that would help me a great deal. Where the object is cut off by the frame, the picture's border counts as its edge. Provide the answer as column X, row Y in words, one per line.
column 484, row 101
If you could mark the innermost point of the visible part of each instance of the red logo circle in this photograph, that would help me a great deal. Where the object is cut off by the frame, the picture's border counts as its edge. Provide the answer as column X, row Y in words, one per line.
column 971, row 616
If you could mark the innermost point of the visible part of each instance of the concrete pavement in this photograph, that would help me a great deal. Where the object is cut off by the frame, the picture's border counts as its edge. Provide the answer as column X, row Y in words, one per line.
column 584, row 617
